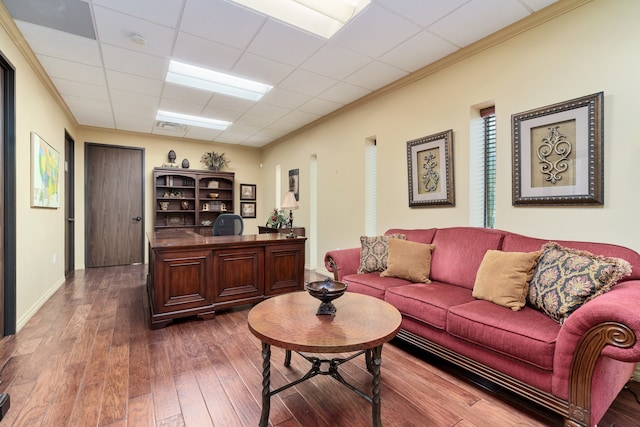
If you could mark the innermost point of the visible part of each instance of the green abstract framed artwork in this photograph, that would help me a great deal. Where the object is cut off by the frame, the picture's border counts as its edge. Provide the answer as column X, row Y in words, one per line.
column 45, row 174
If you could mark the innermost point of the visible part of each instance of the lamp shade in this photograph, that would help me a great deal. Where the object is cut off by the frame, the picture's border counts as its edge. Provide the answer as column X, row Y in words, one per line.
column 289, row 201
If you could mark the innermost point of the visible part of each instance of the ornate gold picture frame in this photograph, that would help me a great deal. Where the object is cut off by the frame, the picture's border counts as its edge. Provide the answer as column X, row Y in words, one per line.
column 430, row 167
column 558, row 153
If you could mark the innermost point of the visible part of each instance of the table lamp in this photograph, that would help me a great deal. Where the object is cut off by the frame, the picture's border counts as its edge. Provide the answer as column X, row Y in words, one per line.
column 290, row 203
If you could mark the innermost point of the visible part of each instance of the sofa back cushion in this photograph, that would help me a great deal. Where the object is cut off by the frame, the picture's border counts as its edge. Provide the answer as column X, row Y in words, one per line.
column 421, row 235
column 459, row 251
column 518, row 243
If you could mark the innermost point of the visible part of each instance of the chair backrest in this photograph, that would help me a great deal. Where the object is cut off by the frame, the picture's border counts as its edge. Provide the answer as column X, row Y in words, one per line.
column 228, row 225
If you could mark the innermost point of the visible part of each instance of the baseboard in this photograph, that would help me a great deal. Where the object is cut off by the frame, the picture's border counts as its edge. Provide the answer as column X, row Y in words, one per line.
column 39, row 303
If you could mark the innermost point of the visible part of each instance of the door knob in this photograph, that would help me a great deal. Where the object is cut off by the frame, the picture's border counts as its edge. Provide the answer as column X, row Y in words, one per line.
column 137, row 218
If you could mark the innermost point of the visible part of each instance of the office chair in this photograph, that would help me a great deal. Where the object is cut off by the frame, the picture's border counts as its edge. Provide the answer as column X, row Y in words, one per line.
column 228, row 225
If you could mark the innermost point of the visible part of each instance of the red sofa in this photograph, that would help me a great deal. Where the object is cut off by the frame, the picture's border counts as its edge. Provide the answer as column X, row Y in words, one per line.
column 576, row 368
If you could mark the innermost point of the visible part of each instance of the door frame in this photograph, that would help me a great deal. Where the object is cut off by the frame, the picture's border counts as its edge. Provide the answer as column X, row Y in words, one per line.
column 8, row 196
column 69, row 204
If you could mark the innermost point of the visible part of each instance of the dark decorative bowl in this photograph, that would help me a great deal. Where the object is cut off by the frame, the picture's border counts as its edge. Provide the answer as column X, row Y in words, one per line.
column 326, row 291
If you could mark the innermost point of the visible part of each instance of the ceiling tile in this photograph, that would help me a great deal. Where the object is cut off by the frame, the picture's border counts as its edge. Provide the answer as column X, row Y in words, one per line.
column 285, row 98
column 335, row 61
column 135, row 84
column 344, row 93
column 319, row 106
column 307, row 83
column 67, row 70
column 53, row 43
column 83, row 90
column 221, row 21
column 412, row 54
column 164, row 12
column 127, row 98
column 261, row 69
column 375, row 31
column 205, row 53
column 204, row 134
column 375, row 75
column 285, row 44
column 422, row 12
column 136, row 63
column 462, row 26
column 117, row 28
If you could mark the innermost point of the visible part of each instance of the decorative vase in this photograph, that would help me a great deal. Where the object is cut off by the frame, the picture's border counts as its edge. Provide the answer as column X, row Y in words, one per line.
column 185, row 163
column 214, row 168
column 184, row 205
column 172, row 156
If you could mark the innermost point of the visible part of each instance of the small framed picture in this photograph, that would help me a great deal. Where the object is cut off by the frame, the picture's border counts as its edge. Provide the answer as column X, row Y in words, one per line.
column 430, row 167
column 248, row 209
column 247, row 191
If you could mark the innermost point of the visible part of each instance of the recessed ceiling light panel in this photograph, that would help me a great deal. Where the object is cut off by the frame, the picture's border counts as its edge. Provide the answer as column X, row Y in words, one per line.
column 186, row 119
column 320, row 17
column 213, row 81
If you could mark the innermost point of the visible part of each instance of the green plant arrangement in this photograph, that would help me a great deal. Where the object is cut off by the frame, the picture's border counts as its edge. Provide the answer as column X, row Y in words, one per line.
column 214, row 161
column 277, row 219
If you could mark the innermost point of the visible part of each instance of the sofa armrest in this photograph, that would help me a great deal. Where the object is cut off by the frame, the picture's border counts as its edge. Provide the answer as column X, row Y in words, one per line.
column 618, row 306
column 342, row 262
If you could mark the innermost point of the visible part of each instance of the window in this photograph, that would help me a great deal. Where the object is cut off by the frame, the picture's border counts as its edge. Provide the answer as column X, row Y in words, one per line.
column 370, row 186
column 488, row 116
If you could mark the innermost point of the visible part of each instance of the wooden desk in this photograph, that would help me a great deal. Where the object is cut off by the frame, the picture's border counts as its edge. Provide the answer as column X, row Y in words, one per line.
column 194, row 275
column 298, row 231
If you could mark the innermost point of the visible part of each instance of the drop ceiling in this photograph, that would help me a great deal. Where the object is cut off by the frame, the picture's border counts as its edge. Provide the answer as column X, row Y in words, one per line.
column 115, row 77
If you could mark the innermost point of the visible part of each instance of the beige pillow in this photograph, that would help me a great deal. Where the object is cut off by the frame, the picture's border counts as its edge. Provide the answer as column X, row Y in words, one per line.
column 409, row 260
column 503, row 277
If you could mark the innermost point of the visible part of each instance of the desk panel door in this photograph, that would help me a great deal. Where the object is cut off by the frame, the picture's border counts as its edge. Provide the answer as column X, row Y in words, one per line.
column 181, row 281
column 284, row 268
column 238, row 273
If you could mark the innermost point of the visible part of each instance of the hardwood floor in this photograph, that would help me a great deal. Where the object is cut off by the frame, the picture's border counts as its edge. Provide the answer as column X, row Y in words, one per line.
column 88, row 358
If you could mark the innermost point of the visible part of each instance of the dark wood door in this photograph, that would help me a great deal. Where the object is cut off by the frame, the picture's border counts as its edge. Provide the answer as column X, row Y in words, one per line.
column 114, row 205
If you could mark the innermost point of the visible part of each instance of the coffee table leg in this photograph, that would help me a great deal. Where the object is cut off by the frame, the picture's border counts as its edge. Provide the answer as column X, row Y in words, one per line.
column 287, row 358
column 375, row 401
column 266, row 384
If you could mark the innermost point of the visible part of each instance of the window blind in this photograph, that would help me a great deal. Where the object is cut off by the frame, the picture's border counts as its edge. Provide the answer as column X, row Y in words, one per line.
column 489, row 136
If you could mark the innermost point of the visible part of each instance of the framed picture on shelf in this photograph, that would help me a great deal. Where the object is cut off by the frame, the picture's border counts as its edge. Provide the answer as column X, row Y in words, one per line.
column 247, row 191
column 248, row 209
column 45, row 174
column 430, row 170
column 558, row 152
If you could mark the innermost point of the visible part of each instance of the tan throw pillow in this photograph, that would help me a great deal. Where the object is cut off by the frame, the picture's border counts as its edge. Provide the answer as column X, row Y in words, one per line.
column 503, row 277
column 409, row 260
column 374, row 252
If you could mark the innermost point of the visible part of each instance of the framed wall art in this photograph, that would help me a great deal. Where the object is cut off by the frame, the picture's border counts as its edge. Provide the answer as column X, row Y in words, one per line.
column 558, row 153
column 248, row 209
column 45, row 174
column 247, row 191
column 430, row 167
column 294, row 182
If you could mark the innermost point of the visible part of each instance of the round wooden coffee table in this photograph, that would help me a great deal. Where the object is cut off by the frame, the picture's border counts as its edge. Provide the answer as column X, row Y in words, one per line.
column 362, row 324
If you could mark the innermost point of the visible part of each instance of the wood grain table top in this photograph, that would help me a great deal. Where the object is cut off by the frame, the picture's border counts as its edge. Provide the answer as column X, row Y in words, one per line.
column 289, row 321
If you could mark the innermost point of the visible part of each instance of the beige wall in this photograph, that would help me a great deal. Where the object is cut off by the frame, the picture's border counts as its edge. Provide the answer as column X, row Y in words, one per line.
column 587, row 50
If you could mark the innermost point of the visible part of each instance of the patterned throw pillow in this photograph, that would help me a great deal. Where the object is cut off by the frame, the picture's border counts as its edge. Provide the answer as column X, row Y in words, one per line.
column 565, row 279
column 374, row 252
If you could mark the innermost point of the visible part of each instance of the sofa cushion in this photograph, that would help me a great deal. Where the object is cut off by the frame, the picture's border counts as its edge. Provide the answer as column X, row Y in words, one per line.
column 408, row 260
column 374, row 252
column 420, row 235
column 565, row 279
column 371, row 284
column 503, row 277
column 458, row 253
column 527, row 335
column 427, row 302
